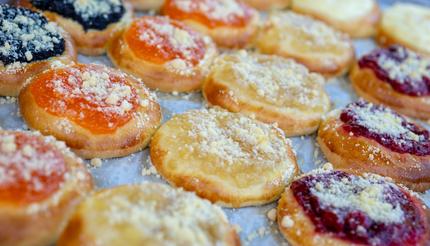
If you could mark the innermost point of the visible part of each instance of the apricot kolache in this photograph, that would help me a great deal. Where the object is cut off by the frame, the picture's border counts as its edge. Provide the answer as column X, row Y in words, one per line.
column 230, row 23
column 164, row 53
column 41, row 183
column 96, row 110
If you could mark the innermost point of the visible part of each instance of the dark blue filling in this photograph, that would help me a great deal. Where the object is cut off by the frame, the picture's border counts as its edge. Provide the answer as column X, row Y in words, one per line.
column 18, row 49
column 65, row 8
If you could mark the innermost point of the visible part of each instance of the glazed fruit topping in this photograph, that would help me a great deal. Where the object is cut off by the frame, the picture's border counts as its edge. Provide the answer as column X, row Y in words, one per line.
column 406, row 71
column 386, row 127
column 366, row 210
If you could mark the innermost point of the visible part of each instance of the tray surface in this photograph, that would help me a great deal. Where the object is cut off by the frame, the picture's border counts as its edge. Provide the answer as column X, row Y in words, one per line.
column 254, row 226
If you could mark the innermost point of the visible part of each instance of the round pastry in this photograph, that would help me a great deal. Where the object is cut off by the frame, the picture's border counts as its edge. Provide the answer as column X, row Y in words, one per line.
column 396, row 77
column 268, row 4
column 148, row 214
column 165, row 53
column 406, row 24
column 97, row 111
column 230, row 23
column 310, row 42
column 274, row 89
column 29, row 44
column 41, row 182
column 90, row 22
column 224, row 157
column 327, row 207
column 356, row 18
column 146, row 4
column 368, row 138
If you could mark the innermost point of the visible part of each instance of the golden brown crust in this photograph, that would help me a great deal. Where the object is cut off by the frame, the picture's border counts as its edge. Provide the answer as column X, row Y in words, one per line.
column 41, row 223
column 91, row 42
column 146, row 4
column 268, row 5
column 12, row 79
column 222, row 88
column 82, row 229
column 319, row 47
column 159, row 76
column 360, row 27
column 370, row 87
column 405, row 24
column 357, row 155
column 211, row 177
column 127, row 139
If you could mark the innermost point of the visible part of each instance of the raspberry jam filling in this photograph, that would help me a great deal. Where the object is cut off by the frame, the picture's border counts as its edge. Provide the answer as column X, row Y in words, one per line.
column 31, row 170
column 91, row 14
column 385, row 127
column 406, row 71
column 365, row 210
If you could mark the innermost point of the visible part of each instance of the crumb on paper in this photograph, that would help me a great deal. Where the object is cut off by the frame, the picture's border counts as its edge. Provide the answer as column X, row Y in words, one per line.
column 272, row 214
column 96, row 162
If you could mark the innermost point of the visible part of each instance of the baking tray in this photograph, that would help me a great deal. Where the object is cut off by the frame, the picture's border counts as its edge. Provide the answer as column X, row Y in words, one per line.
column 252, row 222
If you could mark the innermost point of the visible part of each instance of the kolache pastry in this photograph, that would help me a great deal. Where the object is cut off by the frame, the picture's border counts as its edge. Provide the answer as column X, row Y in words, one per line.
column 146, row 4
column 224, row 157
column 230, row 23
column 328, row 207
column 96, row 110
column 367, row 138
column 164, row 53
column 406, row 24
column 148, row 214
column 41, row 182
column 358, row 19
column 274, row 89
column 268, row 4
column 90, row 22
column 396, row 77
column 28, row 45
column 308, row 41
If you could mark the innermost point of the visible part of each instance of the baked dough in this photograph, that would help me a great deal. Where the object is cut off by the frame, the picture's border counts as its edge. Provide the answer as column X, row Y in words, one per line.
column 310, row 42
column 230, row 23
column 396, row 77
column 148, row 214
column 97, row 111
column 31, row 44
column 224, row 157
column 274, row 89
column 268, row 4
column 368, row 138
column 91, row 23
column 408, row 25
column 327, row 207
column 356, row 18
column 40, row 185
column 164, row 53
column 146, row 4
